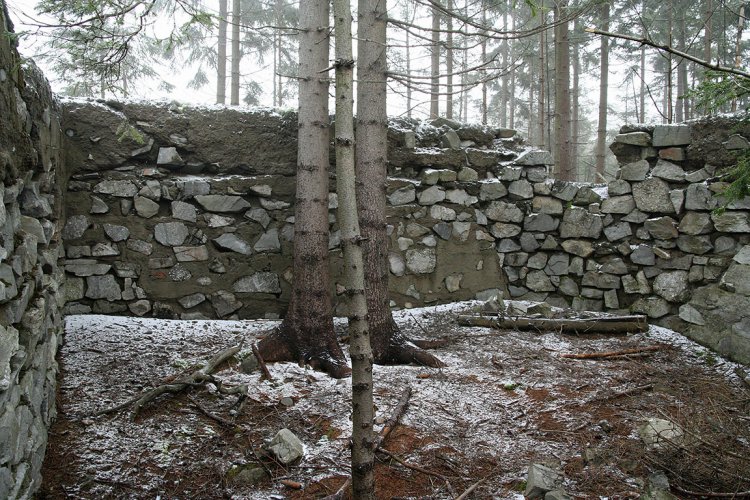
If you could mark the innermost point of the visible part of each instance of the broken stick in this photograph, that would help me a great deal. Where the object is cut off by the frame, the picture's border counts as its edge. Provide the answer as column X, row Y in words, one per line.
column 612, row 354
column 396, row 415
column 604, row 324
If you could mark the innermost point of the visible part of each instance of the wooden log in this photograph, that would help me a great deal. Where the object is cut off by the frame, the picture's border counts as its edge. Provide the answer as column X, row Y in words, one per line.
column 613, row 354
column 604, row 324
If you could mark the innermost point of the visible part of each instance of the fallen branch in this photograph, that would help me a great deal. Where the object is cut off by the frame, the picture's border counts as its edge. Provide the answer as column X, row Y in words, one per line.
column 339, row 494
column 470, row 489
column 396, row 415
column 619, row 394
column 711, row 494
column 612, row 354
column 607, row 324
column 195, row 378
column 262, row 363
column 216, row 418
column 410, row 466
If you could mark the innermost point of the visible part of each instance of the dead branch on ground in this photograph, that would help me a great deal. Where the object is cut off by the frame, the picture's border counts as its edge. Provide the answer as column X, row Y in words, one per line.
column 619, row 394
column 262, row 363
column 613, row 354
column 396, row 415
column 194, row 379
column 605, row 324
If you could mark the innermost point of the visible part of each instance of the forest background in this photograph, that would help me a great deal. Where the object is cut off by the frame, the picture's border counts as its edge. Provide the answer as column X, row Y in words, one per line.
column 525, row 65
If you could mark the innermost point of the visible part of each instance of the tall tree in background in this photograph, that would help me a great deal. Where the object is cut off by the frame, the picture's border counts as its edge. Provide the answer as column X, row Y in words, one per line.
column 563, row 159
column 221, row 61
column 435, row 63
column 306, row 334
column 601, row 130
column 234, row 90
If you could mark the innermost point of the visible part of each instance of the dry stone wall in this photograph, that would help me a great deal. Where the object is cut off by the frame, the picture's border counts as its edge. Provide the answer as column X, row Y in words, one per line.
column 31, row 300
column 163, row 222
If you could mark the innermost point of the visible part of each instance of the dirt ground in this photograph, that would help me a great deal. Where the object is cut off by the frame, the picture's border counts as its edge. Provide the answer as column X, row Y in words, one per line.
column 506, row 400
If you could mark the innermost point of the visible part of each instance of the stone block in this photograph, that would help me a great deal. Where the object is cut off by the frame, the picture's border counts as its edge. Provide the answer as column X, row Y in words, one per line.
column 652, row 195
column 636, row 171
column 671, row 135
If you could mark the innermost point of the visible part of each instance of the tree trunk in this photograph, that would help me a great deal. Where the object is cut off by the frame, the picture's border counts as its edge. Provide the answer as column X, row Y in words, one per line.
column 363, row 450
column 449, row 64
column 563, row 160
column 642, row 92
column 221, row 63
column 738, row 46
column 408, row 72
column 682, row 112
column 234, row 98
column 389, row 345
column 668, row 97
column 435, row 65
column 575, row 107
column 306, row 334
column 483, row 71
column 504, row 84
column 601, row 129
column 541, row 112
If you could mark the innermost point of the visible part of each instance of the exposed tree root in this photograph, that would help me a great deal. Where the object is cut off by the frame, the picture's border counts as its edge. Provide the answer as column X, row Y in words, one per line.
column 196, row 378
column 279, row 345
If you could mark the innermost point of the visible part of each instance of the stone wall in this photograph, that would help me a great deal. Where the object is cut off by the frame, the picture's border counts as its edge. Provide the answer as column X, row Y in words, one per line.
column 168, row 215
column 31, row 169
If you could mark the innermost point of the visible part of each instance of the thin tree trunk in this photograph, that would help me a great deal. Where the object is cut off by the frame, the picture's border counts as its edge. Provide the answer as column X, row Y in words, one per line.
column 512, row 97
column 562, row 95
column 642, row 92
column 575, row 107
column 363, row 451
column 541, row 115
column 306, row 335
column 504, row 84
column 681, row 112
column 601, row 130
column 435, row 65
column 737, row 47
column 483, row 71
column 449, row 64
column 669, row 110
column 234, row 93
column 389, row 345
column 221, row 63
column 408, row 72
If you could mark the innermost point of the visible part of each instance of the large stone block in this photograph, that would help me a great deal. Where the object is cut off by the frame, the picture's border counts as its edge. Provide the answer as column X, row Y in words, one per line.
column 652, row 196
column 671, row 135
column 580, row 223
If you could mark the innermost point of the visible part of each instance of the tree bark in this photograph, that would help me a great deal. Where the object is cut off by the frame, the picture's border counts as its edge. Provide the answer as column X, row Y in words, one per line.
column 504, row 84
column 541, row 94
column 601, row 130
column 306, row 334
column 363, row 441
column 449, row 64
column 483, row 71
column 435, row 65
column 389, row 345
column 563, row 160
column 234, row 98
column 575, row 122
column 221, row 63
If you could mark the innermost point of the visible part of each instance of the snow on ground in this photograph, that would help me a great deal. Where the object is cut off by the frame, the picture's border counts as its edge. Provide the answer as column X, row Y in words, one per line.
column 505, row 399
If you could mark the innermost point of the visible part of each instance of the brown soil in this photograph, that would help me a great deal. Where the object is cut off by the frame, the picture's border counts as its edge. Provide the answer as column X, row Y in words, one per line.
column 506, row 400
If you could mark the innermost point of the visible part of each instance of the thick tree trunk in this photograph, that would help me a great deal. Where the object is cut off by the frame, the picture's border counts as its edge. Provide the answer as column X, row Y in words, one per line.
column 234, row 93
column 221, row 63
column 363, row 438
column 306, row 334
column 601, row 130
column 563, row 161
column 435, row 65
column 389, row 345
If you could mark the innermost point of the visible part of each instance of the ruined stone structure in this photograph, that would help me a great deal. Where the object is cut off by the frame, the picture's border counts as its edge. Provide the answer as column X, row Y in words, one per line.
column 179, row 212
column 168, row 216
column 31, row 297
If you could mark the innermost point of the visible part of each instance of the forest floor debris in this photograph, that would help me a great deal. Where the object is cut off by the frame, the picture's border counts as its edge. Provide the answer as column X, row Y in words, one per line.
column 507, row 399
